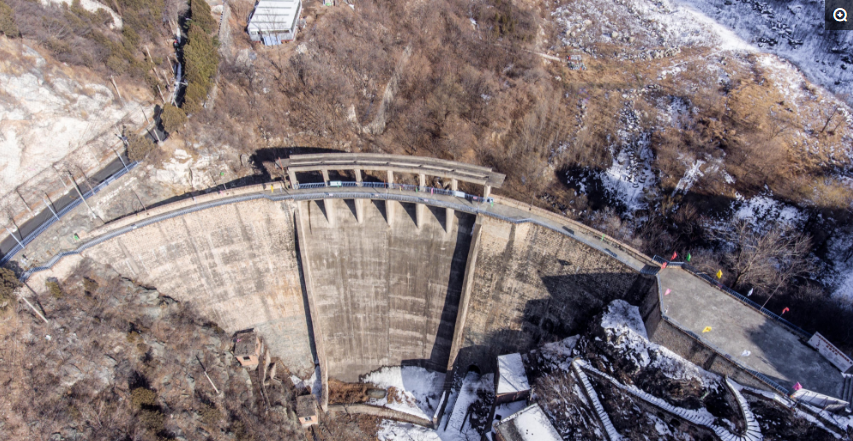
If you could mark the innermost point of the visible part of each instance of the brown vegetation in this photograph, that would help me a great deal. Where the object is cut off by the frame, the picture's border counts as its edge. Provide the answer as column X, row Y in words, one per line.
column 348, row 393
column 8, row 284
column 119, row 361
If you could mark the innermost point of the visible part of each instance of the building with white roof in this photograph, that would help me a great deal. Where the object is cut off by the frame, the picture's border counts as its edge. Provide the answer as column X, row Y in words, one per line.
column 528, row 424
column 274, row 21
column 512, row 382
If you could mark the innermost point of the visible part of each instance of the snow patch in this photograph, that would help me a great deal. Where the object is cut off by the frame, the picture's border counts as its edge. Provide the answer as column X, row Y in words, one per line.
column 417, row 389
column 622, row 315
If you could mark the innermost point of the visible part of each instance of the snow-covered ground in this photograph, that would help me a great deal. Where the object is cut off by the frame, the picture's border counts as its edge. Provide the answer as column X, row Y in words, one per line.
column 455, row 424
column 761, row 209
column 791, row 29
column 396, row 431
column 416, row 390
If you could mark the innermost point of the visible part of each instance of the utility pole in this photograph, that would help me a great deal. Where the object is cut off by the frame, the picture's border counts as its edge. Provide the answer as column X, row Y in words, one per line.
column 120, row 159
column 140, row 201
column 48, row 203
column 18, row 190
column 11, row 233
column 77, row 187
column 20, row 296
column 117, row 92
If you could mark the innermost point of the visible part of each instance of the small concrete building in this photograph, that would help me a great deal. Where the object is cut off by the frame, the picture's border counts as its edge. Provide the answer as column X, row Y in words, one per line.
column 512, row 382
column 528, row 424
column 274, row 21
column 247, row 349
column 306, row 410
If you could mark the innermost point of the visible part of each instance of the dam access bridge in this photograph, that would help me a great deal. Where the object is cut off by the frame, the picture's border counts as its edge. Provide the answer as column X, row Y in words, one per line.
column 357, row 275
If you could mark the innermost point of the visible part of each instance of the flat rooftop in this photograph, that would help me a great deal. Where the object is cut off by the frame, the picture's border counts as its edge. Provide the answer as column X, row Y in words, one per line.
column 775, row 351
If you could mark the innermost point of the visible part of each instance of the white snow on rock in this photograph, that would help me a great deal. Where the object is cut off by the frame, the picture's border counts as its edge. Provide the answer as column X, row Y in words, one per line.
column 417, row 389
column 690, row 176
column 625, row 330
column 560, row 353
column 513, row 378
column 630, row 174
column 763, row 208
column 453, row 425
column 532, row 424
column 620, row 314
column 394, row 430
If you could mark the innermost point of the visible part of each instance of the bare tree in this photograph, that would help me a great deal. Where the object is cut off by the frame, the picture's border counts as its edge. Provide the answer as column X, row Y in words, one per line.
column 765, row 260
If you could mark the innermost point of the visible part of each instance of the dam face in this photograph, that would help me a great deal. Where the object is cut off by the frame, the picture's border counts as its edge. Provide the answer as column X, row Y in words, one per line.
column 384, row 295
column 380, row 292
column 533, row 285
column 236, row 263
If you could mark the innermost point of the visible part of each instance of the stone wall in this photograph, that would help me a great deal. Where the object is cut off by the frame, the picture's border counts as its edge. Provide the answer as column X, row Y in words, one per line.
column 694, row 351
column 236, row 263
column 382, row 295
column 533, row 285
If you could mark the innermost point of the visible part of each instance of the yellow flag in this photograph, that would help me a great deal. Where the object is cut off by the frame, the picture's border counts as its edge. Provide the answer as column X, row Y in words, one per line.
column 719, row 274
column 707, row 329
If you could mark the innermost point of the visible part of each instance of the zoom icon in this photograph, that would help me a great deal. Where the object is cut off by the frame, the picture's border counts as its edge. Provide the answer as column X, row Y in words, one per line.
column 836, row 15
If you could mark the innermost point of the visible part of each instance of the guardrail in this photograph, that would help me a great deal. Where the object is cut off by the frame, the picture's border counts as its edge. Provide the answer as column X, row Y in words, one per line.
column 695, row 271
column 53, row 219
column 296, row 197
column 394, row 186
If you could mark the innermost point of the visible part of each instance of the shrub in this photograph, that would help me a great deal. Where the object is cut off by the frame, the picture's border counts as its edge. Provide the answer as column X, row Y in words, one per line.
column 138, row 148
column 173, row 118
column 90, row 285
column 54, row 288
column 7, row 21
column 153, row 420
column 8, row 284
column 141, row 397
column 201, row 60
column 201, row 16
column 210, row 415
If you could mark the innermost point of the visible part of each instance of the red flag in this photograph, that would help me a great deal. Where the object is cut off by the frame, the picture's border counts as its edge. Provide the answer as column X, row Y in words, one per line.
column 785, row 310
column 663, row 265
column 674, row 255
column 798, row 386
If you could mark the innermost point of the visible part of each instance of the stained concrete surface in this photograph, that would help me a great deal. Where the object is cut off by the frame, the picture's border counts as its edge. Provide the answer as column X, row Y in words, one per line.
column 385, row 295
column 775, row 351
column 237, row 263
column 534, row 285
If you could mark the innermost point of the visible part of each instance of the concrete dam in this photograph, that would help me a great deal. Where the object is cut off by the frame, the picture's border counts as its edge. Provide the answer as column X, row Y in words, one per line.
column 355, row 275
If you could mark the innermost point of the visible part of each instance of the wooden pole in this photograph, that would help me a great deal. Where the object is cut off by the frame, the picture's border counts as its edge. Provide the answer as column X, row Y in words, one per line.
column 21, row 296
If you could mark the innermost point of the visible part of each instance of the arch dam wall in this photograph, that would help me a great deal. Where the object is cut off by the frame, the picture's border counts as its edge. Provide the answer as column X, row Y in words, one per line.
column 356, row 296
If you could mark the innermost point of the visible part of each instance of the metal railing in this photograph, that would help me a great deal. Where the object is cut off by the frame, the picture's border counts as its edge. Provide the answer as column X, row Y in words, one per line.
column 72, row 205
column 695, row 271
column 394, row 186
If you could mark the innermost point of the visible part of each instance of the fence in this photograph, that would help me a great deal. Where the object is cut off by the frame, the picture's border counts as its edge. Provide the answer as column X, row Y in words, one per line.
column 51, row 220
column 393, row 186
column 695, row 271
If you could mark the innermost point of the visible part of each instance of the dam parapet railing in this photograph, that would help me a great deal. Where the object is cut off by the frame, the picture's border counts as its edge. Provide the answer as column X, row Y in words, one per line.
column 277, row 191
column 738, row 296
